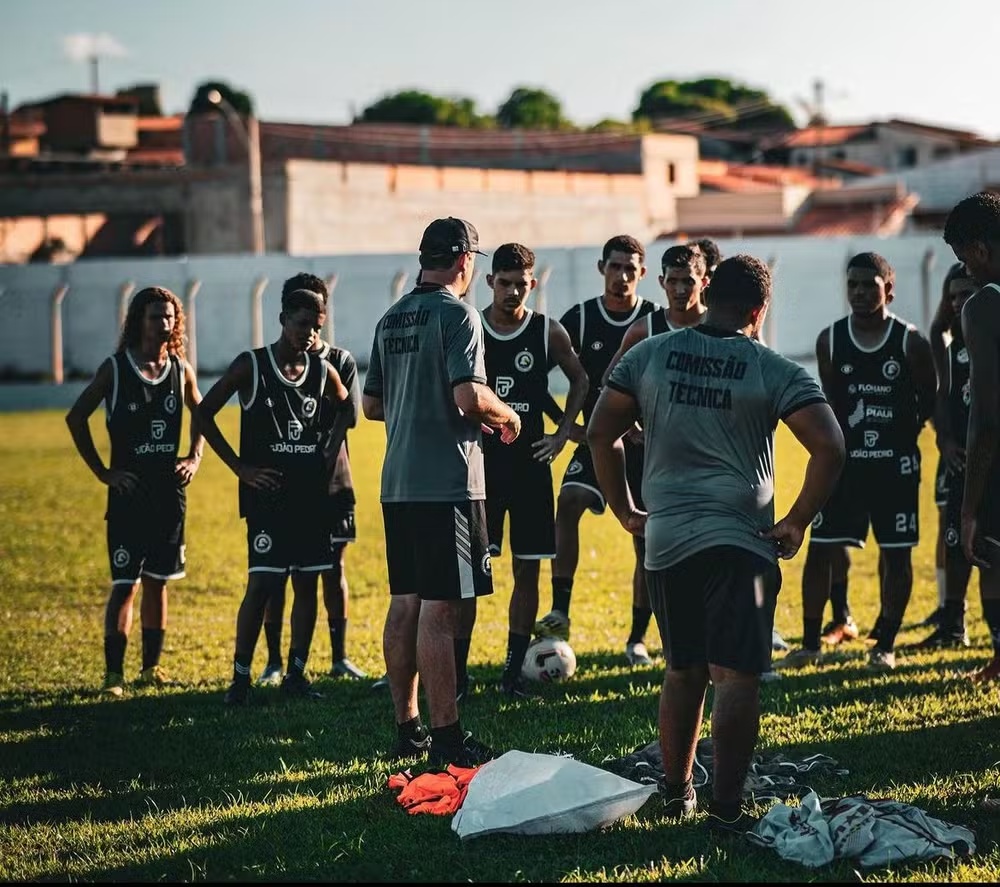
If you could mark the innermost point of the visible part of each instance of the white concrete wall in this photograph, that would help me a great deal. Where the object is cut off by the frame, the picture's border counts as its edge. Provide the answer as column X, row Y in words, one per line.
column 809, row 294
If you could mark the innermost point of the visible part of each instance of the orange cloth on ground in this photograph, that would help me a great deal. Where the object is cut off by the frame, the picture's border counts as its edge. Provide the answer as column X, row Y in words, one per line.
column 438, row 792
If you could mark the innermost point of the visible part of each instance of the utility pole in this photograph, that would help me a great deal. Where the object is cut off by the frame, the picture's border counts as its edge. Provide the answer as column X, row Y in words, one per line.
column 94, row 77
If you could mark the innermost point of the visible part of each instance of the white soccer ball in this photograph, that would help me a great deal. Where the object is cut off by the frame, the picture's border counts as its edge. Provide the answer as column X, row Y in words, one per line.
column 549, row 660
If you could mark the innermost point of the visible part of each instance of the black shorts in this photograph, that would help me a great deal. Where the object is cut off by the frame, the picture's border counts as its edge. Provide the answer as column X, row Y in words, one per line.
column 283, row 542
column 340, row 513
column 988, row 519
column 521, row 488
column 438, row 551
column 884, row 496
column 580, row 473
column 146, row 538
column 943, row 481
column 716, row 608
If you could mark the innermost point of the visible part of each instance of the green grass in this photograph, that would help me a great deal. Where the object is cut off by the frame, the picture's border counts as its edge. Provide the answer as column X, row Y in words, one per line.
column 169, row 785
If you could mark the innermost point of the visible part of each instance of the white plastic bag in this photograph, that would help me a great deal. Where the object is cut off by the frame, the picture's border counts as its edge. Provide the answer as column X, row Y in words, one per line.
column 527, row 793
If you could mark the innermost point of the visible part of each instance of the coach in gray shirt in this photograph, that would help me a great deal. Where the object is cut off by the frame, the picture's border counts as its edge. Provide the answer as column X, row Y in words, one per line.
column 427, row 381
column 709, row 399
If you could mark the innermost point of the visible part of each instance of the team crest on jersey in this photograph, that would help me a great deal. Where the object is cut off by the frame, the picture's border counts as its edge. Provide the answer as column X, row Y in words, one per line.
column 121, row 557
column 524, row 361
column 486, row 564
column 574, row 467
column 962, row 356
column 309, row 407
column 817, row 521
column 170, row 404
column 505, row 385
column 890, row 369
column 951, row 537
column 597, row 346
column 262, row 543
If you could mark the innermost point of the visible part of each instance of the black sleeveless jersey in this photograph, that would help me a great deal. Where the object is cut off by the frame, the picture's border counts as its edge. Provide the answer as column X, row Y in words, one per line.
column 959, row 393
column 144, row 417
column 596, row 334
column 281, row 427
column 873, row 393
column 341, row 477
column 657, row 323
column 517, row 369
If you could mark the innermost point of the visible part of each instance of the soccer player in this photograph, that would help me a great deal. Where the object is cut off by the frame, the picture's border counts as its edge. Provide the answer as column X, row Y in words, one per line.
column 878, row 374
column 288, row 401
column 596, row 328
column 710, row 250
column 973, row 232
column 144, row 386
column 710, row 397
column 951, row 425
column 427, row 381
column 339, row 510
column 521, row 346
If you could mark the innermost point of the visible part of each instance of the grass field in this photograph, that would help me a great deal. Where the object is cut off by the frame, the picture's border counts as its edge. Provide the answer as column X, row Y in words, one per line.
column 169, row 785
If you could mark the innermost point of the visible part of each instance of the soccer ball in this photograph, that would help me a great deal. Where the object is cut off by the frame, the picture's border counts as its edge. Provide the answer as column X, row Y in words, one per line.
column 549, row 660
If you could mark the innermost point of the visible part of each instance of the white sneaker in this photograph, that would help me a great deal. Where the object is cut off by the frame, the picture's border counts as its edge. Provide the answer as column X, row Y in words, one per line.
column 778, row 642
column 270, row 677
column 637, row 654
column 768, row 676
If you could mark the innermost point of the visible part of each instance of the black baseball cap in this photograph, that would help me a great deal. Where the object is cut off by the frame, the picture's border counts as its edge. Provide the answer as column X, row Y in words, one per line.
column 451, row 236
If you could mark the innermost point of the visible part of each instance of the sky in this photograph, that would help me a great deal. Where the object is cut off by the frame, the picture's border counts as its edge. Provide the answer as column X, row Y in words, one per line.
column 323, row 60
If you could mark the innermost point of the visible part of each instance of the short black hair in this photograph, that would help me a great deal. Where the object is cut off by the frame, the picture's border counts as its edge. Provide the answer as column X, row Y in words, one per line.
column 303, row 298
column 682, row 256
column 874, row 262
column 976, row 218
column 742, row 282
column 513, row 257
column 710, row 250
column 623, row 243
column 305, row 281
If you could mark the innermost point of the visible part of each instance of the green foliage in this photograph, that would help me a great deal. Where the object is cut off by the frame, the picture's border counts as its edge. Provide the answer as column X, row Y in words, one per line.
column 168, row 785
column 414, row 106
column 715, row 100
column 528, row 108
column 241, row 101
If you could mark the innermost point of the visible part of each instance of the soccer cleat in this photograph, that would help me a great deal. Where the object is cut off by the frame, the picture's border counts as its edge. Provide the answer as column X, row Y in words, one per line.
column 114, row 685
column 836, row 632
column 238, row 693
column 296, row 685
column 730, row 827
column 778, row 643
column 637, row 654
column 270, row 676
column 553, row 624
column 677, row 808
column 934, row 619
column 154, row 676
column 409, row 747
column 516, row 688
column 942, row 638
column 989, row 673
column 881, row 660
column 344, row 668
column 382, row 683
column 472, row 753
column 799, row 658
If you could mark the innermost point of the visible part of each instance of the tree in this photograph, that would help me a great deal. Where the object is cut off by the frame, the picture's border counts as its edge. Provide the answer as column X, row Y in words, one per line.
column 528, row 108
column 414, row 106
column 241, row 101
column 713, row 101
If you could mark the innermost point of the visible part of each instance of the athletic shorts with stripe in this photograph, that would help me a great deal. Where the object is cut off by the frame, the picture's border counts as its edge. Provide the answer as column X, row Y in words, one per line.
column 146, row 536
column 438, row 551
column 521, row 488
column 580, row 473
column 288, row 542
column 884, row 496
column 716, row 607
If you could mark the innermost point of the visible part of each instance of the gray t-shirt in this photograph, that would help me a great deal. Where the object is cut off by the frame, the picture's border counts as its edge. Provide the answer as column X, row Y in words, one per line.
column 425, row 345
column 709, row 402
